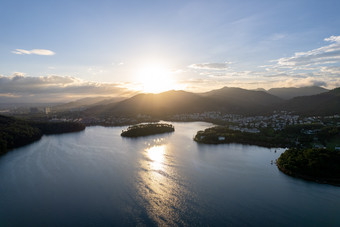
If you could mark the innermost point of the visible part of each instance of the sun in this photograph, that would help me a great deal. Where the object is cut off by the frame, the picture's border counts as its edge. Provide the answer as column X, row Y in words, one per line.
column 155, row 79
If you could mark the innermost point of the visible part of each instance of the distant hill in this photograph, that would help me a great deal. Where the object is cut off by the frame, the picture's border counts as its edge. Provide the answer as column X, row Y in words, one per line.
column 241, row 100
column 231, row 100
column 86, row 103
column 259, row 89
column 26, row 105
column 327, row 103
column 227, row 100
column 292, row 92
column 170, row 102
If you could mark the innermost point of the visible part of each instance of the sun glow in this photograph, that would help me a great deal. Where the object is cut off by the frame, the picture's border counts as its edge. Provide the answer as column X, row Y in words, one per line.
column 156, row 154
column 155, row 79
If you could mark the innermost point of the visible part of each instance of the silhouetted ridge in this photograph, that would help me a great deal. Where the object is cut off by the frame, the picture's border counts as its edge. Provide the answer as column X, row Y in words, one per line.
column 292, row 92
column 327, row 103
column 227, row 99
column 166, row 103
column 241, row 100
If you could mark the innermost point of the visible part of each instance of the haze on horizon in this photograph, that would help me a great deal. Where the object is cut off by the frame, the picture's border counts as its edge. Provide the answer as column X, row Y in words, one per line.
column 60, row 50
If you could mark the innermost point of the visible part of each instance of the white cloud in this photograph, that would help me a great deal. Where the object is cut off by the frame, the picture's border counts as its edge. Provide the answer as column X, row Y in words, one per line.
column 211, row 66
column 34, row 51
column 329, row 54
column 332, row 70
column 56, row 88
column 302, row 82
column 317, row 67
column 333, row 39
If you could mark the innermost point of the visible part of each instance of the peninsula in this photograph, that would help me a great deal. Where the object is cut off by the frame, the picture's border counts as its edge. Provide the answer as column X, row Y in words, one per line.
column 16, row 132
column 320, row 165
column 307, row 156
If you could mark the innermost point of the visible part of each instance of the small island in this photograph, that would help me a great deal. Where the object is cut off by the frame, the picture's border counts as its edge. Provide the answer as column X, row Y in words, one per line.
column 320, row 165
column 147, row 129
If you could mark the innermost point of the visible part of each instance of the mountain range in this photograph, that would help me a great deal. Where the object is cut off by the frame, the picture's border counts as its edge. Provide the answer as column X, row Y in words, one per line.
column 227, row 100
column 86, row 103
column 292, row 92
column 327, row 103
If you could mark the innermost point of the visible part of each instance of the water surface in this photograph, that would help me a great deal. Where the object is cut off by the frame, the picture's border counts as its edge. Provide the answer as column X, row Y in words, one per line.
column 97, row 178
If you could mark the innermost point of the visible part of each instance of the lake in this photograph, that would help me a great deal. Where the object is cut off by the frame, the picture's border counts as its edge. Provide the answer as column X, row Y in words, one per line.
column 98, row 178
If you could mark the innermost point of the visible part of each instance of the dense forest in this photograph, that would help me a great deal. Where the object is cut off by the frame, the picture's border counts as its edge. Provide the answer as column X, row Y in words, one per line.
column 305, row 135
column 147, row 129
column 301, row 159
column 222, row 134
column 312, row 164
column 16, row 132
column 48, row 128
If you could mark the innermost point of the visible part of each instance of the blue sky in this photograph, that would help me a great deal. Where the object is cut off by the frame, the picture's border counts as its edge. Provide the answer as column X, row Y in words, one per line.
column 200, row 45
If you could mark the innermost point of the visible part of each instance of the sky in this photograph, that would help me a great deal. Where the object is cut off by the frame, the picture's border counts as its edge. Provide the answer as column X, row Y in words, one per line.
column 60, row 50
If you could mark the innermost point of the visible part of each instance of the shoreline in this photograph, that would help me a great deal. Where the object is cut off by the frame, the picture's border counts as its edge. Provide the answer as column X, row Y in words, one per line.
column 142, row 130
column 251, row 144
column 42, row 128
column 334, row 182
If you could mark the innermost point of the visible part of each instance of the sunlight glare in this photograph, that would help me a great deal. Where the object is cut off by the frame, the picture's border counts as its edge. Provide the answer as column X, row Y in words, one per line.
column 156, row 154
column 155, row 79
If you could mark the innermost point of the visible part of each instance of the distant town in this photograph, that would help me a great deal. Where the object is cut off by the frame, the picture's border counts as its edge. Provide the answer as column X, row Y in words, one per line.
column 278, row 120
column 309, row 119
column 252, row 124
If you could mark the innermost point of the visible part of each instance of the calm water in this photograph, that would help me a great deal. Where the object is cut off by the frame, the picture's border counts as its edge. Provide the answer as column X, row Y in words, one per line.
column 97, row 178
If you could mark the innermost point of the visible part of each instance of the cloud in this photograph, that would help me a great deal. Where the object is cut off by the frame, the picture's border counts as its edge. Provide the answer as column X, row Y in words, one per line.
column 333, row 38
column 54, row 88
column 211, row 66
column 329, row 54
column 317, row 67
column 331, row 70
column 302, row 82
column 34, row 51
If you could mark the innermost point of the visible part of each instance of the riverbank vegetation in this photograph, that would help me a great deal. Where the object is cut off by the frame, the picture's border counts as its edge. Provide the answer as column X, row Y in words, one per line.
column 48, row 128
column 313, row 148
column 301, row 136
column 222, row 134
column 147, row 129
column 16, row 132
column 321, row 165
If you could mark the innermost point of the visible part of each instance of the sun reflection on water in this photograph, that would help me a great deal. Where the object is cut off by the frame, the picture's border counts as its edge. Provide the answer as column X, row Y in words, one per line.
column 156, row 154
column 159, row 184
